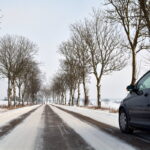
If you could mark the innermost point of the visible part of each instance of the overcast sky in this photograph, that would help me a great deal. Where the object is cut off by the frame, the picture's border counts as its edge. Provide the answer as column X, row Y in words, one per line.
column 46, row 22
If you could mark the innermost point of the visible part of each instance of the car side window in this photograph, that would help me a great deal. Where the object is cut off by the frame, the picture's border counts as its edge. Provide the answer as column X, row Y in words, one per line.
column 144, row 83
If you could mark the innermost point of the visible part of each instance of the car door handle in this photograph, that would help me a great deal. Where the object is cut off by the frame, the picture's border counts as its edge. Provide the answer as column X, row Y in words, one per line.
column 146, row 94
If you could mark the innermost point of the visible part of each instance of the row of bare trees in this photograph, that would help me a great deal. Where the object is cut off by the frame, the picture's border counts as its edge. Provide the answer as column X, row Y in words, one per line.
column 17, row 64
column 101, row 45
column 95, row 47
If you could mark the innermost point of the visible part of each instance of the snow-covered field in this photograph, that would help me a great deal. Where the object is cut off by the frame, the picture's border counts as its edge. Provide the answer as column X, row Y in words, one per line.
column 99, row 115
column 3, row 103
column 98, row 139
column 105, row 103
column 111, row 104
column 6, row 117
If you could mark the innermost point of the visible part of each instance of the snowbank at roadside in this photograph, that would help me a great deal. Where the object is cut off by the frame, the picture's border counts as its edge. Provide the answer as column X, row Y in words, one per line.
column 5, row 103
column 110, row 105
column 99, row 115
column 7, row 116
column 24, row 136
column 3, row 110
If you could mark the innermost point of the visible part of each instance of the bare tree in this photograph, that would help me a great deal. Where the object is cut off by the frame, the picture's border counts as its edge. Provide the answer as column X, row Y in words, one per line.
column 104, row 47
column 70, row 67
column 83, row 59
column 7, row 54
column 25, row 51
column 33, row 82
column 64, row 87
column 15, row 51
column 128, row 14
column 71, row 78
column 58, row 88
column 23, row 79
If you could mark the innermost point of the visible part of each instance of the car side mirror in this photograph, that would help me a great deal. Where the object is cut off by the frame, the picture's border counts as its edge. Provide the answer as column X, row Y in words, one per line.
column 130, row 88
column 133, row 88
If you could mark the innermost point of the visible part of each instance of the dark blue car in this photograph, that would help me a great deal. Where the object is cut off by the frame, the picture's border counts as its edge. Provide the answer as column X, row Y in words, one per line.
column 134, row 111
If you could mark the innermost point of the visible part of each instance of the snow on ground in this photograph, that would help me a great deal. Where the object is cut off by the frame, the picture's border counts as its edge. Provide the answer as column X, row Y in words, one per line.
column 105, row 103
column 3, row 103
column 7, row 116
column 99, row 115
column 110, row 105
column 24, row 136
column 95, row 137
column 3, row 110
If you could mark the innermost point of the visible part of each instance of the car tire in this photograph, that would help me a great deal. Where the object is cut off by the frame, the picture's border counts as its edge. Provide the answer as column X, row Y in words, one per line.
column 124, row 122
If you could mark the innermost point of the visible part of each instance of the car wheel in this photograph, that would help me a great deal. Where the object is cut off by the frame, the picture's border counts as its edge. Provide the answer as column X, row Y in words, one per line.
column 124, row 122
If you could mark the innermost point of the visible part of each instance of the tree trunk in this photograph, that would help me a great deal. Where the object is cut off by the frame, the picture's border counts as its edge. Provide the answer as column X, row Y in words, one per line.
column 9, row 92
column 19, row 92
column 14, row 93
column 78, row 98
column 22, row 97
column 72, row 99
column 133, row 80
column 28, row 101
column 23, row 102
column 57, row 99
column 53, row 96
column 33, row 98
column 54, row 99
column 86, row 99
column 98, row 94
column 65, row 98
column 62, row 98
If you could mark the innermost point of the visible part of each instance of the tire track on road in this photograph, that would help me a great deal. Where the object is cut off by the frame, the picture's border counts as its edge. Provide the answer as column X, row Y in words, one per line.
column 133, row 140
column 4, row 130
column 58, row 136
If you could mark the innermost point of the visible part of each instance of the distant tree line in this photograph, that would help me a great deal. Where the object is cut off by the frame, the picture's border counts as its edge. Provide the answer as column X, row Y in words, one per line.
column 17, row 64
column 100, row 45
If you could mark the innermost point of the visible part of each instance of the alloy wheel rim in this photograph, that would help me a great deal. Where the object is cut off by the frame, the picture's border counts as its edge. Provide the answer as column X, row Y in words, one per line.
column 123, row 120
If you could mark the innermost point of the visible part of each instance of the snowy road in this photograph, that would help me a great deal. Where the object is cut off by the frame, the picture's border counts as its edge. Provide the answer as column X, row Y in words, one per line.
column 50, row 128
column 43, row 130
column 108, row 122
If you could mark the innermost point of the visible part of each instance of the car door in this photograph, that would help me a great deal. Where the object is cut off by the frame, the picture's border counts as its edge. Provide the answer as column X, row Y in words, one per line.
column 139, row 102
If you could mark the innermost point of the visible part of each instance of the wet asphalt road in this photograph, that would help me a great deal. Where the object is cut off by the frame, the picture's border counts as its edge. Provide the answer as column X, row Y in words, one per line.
column 58, row 136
